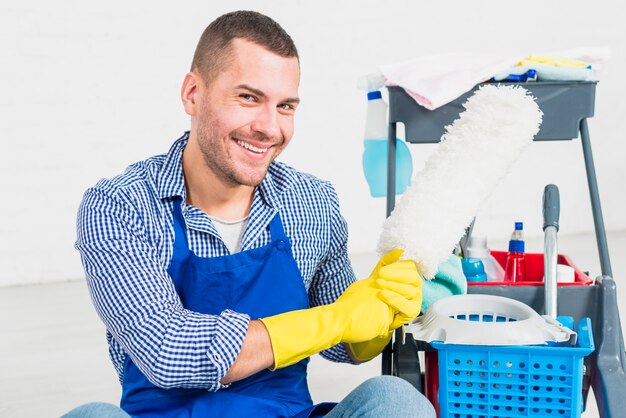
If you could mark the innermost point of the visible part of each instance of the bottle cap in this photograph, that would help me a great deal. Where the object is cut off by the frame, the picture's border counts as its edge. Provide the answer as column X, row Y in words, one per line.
column 515, row 77
column 474, row 270
column 516, row 246
column 477, row 247
column 519, row 226
column 373, row 95
column 565, row 273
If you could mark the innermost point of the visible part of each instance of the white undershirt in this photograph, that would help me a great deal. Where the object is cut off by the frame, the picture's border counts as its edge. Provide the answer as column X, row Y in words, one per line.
column 231, row 232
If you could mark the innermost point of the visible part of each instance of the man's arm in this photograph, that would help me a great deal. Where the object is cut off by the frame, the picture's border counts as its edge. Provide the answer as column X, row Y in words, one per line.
column 401, row 283
column 255, row 355
column 334, row 274
column 136, row 299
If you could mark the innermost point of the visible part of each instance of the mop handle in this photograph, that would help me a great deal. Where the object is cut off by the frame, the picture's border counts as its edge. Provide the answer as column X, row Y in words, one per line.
column 551, row 210
column 551, row 206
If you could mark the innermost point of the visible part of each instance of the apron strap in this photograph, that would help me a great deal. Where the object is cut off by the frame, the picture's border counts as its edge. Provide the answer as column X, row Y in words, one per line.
column 181, row 247
column 276, row 229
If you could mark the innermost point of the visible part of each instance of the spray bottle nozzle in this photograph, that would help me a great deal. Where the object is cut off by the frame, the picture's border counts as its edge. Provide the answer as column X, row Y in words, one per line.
column 371, row 82
column 374, row 95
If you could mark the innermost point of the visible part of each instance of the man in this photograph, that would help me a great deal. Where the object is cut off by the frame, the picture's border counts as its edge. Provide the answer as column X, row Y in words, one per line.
column 219, row 271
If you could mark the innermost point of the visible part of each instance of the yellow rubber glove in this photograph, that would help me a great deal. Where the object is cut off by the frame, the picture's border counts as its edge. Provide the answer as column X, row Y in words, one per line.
column 401, row 288
column 357, row 315
column 391, row 257
column 365, row 351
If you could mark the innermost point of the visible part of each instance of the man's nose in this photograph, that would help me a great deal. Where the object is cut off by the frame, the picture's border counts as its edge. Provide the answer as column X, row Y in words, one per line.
column 266, row 122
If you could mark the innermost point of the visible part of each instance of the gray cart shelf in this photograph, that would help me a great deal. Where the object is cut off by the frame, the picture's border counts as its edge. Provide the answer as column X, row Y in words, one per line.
column 566, row 107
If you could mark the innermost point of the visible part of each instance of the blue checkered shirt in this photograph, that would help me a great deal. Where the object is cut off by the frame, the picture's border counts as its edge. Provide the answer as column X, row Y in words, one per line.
column 125, row 236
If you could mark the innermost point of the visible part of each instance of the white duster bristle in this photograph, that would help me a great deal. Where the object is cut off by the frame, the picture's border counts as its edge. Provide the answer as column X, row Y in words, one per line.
column 474, row 154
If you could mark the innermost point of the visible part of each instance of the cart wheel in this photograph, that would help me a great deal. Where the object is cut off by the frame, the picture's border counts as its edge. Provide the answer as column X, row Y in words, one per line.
column 406, row 363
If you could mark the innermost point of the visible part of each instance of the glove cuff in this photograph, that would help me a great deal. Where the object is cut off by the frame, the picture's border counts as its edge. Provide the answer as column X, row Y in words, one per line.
column 299, row 334
column 365, row 351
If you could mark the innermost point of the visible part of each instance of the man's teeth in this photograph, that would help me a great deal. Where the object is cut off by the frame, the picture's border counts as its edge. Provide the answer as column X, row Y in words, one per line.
column 251, row 147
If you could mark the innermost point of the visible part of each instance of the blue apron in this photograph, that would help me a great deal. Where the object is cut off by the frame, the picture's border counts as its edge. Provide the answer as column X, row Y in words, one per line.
column 259, row 282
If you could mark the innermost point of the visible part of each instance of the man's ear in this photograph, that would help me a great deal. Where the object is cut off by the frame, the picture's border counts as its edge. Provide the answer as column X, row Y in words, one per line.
column 189, row 91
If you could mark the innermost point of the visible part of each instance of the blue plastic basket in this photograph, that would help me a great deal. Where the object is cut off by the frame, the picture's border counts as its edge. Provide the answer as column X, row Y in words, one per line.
column 513, row 381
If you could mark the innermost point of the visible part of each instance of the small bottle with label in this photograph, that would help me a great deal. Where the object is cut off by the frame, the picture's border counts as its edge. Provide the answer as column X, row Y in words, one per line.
column 515, row 270
column 477, row 248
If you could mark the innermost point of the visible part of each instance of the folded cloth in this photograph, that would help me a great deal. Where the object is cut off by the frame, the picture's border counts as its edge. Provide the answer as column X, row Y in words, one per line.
column 547, row 72
column 552, row 68
column 448, row 281
column 596, row 56
column 554, row 60
column 435, row 80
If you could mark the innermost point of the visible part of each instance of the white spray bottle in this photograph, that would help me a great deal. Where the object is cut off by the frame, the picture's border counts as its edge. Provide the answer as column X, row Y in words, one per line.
column 376, row 143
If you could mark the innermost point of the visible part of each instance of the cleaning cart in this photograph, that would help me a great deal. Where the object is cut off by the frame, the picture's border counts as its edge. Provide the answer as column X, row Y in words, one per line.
column 566, row 107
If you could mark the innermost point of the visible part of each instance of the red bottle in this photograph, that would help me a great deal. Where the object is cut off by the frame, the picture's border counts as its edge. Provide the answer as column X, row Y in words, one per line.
column 515, row 270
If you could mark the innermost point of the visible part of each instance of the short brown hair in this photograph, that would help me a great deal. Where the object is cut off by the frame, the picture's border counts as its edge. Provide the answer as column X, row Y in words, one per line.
column 212, row 53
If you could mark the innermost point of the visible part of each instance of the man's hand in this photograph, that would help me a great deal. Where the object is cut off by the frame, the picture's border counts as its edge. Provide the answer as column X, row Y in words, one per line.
column 401, row 289
column 391, row 257
column 362, row 312
column 364, row 316
column 358, row 315
column 401, row 286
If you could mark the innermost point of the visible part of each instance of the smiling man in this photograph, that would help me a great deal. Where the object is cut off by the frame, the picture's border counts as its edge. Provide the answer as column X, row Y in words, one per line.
column 218, row 271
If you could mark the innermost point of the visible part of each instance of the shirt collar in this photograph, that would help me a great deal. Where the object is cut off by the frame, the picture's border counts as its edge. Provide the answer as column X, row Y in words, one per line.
column 171, row 181
column 267, row 191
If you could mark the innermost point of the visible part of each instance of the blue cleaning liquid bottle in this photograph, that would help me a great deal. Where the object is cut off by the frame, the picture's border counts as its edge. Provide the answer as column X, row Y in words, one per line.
column 375, row 152
column 477, row 248
column 473, row 269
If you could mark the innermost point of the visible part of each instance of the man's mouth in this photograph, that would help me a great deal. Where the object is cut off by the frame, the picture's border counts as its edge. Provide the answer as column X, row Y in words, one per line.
column 251, row 147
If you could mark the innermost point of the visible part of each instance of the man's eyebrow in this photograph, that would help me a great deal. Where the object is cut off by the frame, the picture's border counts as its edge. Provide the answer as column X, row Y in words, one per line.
column 259, row 93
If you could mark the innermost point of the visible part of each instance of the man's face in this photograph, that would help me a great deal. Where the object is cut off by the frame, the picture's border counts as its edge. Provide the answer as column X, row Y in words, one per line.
column 245, row 114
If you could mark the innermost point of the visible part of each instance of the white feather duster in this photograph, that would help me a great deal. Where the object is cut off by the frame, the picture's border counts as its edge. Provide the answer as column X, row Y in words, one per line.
column 476, row 151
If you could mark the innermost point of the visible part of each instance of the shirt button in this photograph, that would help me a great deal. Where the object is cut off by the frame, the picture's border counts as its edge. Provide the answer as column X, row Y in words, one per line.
column 216, row 357
column 281, row 245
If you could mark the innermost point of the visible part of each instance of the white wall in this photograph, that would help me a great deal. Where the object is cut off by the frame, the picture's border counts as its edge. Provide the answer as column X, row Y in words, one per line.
column 86, row 89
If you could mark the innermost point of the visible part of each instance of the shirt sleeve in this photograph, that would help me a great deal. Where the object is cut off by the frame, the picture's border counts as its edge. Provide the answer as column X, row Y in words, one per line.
column 334, row 273
column 135, row 297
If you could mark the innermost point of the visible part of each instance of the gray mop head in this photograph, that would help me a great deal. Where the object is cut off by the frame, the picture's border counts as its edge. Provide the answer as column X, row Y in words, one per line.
column 476, row 151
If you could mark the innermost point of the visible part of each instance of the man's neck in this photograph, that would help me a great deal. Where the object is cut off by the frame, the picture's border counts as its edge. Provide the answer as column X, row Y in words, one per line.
column 211, row 194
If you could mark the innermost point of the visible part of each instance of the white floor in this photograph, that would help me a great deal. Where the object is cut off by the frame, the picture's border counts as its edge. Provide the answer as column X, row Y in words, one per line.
column 53, row 352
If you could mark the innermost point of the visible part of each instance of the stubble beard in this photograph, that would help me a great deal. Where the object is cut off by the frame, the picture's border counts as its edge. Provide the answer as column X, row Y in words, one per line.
column 220, row 163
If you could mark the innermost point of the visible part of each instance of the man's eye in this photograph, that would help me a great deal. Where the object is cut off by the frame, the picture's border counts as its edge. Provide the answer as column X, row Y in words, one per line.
column 247, row 97
column 286, row 106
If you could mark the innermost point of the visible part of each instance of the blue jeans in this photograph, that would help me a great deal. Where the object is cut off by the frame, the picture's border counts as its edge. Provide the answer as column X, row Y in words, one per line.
column 378, row 397
column 384, row 397
column 97, row 410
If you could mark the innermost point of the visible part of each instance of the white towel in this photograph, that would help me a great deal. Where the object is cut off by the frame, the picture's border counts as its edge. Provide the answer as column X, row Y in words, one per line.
column 435, row 80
